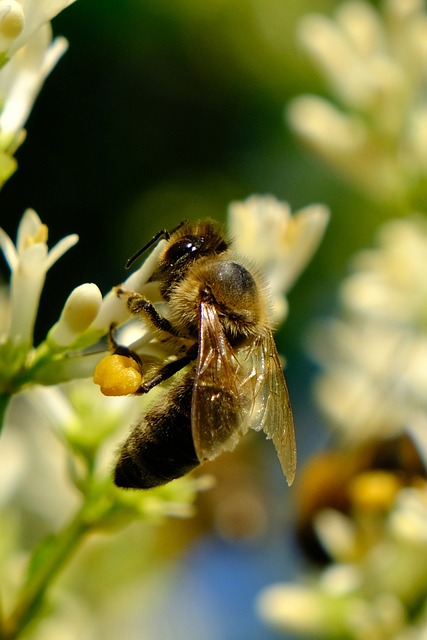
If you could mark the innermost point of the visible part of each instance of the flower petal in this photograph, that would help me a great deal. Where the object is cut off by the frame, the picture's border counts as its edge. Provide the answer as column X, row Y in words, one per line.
column 60, row 248
column 33, row 260
column 29, row 227
column 37, row 13
column 79, row 311
column 23, row 76
column 9, row 250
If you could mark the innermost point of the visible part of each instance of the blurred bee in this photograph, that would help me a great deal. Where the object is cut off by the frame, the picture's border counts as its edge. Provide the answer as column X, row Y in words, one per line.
column 227, row 375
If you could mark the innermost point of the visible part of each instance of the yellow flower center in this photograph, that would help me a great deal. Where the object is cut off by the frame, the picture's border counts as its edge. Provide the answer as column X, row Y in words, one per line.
column 40, row 237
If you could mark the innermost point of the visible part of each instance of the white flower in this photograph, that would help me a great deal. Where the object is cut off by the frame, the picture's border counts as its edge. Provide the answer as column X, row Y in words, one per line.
column 280, row 244
column 408, row 520
column 80, row 310
column 298, row 609
column 29, row 261
column 337, row 534
column 345, row 142
column 20, row 19
column 374, row 378
column 353, row 53
column 389, row 283
column 21, row 79
column 114, row 309
column 11, row 20
column 376, row 66
column 345, row 600
column 374, row 383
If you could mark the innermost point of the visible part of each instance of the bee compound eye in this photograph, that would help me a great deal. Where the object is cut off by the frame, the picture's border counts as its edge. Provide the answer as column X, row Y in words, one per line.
column 187, row 247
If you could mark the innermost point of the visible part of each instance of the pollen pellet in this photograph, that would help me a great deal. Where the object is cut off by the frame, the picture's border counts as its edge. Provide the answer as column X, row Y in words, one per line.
column 374, row 490
column 117, row 375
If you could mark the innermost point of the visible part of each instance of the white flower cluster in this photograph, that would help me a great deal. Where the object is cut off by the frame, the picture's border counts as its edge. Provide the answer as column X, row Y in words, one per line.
column 29, row 261
column 27, row 56
column 279, row 243
column 374, row 380
column 376, row 67
column 378, row 573
column 85, row 318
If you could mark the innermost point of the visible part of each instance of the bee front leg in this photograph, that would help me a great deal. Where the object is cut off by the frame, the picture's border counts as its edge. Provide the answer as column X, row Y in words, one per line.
column 138, row 305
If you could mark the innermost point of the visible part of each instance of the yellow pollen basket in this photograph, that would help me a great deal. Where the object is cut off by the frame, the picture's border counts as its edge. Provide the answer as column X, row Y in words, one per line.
column 117, row 375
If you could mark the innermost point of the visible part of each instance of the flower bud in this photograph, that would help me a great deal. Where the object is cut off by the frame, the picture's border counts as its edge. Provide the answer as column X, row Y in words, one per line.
column 297, row 609
column 80, row 310
column 11, row 19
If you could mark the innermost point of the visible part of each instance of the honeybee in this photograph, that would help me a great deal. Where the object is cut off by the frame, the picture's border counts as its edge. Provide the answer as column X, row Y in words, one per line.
column 226, row 376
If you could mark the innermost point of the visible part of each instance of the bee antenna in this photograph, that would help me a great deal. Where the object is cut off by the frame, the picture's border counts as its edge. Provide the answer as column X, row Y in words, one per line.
column 163, row 233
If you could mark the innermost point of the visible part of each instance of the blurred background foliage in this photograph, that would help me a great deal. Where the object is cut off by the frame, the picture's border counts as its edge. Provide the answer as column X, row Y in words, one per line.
column 170, row 109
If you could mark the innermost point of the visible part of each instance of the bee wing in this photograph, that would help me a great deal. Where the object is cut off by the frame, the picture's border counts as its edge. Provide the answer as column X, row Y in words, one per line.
column 216, row 405
column 271, row 409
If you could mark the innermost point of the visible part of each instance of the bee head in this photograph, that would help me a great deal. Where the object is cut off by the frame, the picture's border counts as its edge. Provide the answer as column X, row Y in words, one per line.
column 189, row 242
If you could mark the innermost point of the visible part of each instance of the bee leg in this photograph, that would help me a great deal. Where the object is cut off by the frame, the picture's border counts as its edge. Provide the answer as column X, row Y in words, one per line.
column 138, row 305
column 168, row 370
column 119, row 349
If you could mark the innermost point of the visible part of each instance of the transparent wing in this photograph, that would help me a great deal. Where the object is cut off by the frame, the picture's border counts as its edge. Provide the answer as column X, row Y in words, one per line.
column 270, row 410
column 216, row 405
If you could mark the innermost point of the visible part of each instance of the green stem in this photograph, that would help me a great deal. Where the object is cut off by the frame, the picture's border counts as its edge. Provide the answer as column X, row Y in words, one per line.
column 4, row 403
column 62, row 547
